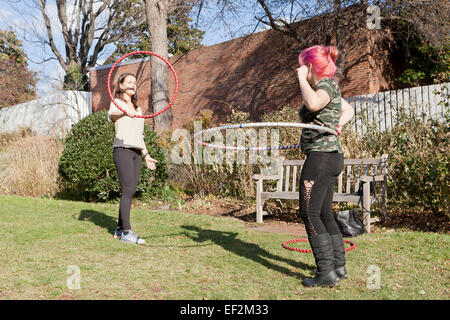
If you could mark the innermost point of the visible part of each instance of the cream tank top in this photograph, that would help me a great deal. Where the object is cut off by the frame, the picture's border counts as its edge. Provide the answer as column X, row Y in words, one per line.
column 129, row 132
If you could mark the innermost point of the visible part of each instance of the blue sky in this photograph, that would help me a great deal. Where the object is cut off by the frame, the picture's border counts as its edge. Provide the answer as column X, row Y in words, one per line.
column 25, row 18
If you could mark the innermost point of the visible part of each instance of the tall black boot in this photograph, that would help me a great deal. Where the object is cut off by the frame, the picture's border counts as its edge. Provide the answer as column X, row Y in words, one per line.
column 323, row 254
column 339, row 255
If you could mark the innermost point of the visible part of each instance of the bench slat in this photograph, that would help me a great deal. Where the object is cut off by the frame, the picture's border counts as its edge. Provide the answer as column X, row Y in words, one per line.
column 286, row 182
column 343, row 197
column 280, row 195
column 357, row 168
column 348, row 179
column 362, row 161
column 366, row 170
column 280, row 181
column 294, row 179
column 293, row 162
column 346, row 162
column 371, row 178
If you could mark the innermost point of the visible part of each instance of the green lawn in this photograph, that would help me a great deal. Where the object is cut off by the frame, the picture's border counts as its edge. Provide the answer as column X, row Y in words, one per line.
column 195, row 257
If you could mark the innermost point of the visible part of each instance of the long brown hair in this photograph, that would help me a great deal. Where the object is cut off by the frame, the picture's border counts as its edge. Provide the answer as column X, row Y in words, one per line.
column 118, row 92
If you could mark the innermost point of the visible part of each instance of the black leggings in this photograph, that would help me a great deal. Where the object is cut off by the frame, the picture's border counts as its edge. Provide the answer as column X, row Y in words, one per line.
column 317, row 181
column 128, row 164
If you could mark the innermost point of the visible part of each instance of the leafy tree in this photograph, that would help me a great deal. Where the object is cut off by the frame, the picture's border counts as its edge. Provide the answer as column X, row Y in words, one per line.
column 427, row 65
column 17, row 82
column 182, row 37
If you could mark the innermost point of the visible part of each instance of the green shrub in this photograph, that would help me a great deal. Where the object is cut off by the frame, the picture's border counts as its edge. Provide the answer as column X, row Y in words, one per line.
column 418, row 164
column 86, row 167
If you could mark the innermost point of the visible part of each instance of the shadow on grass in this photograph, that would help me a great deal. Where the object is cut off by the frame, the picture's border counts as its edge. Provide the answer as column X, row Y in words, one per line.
column 103, row 220
column 99, row 218
column 251, row 251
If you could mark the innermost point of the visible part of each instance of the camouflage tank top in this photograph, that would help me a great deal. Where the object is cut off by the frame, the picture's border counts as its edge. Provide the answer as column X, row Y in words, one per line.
column 314, row 140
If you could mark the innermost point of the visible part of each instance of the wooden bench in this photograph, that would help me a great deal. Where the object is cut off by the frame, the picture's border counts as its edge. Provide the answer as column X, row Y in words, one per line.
column 356, row 172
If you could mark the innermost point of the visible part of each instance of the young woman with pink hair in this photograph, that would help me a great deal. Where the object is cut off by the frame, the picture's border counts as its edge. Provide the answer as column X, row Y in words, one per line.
column 324, row 106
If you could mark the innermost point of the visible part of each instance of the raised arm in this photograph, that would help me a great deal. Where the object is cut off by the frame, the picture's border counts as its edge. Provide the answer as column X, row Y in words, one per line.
column 115, row 114
column 314, row 100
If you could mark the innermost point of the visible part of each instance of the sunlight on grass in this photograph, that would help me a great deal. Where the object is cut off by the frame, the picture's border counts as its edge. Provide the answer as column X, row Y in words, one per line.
column 195, row 257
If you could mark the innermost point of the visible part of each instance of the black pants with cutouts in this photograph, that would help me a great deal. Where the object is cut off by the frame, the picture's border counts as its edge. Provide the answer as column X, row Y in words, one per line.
column 317, row 180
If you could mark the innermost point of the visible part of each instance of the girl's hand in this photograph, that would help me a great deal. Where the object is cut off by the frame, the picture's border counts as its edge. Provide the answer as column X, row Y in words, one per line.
column 302, row 72
column 132, row 113
column 150, row 162
column 339, row 129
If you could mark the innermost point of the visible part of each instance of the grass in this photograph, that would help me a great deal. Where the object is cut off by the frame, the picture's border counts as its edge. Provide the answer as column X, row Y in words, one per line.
column 195, row 257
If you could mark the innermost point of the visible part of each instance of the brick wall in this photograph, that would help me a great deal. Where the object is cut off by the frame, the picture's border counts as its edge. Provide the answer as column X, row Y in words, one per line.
column 254, row 73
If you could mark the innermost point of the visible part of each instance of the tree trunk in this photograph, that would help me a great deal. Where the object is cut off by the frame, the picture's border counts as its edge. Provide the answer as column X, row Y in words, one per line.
column 156, row 12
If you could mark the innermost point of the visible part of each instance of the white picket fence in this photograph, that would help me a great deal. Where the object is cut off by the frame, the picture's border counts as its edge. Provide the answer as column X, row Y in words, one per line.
column 54, row 114
column 383, row 109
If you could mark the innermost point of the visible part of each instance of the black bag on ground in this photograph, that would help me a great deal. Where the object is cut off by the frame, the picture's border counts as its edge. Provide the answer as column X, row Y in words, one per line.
column 349, row 223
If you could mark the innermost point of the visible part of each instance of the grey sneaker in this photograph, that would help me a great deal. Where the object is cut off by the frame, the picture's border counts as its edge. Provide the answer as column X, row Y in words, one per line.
column 131, row 237
column 117, row 233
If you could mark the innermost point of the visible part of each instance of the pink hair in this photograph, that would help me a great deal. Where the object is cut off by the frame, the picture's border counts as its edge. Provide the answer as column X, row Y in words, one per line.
column 322, row 58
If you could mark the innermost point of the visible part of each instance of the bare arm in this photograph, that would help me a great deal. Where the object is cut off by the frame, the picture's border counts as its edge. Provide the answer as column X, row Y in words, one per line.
column 347, row 112
column 144, row 151
column 149, row 161
column 116, row 114
column 314, row 100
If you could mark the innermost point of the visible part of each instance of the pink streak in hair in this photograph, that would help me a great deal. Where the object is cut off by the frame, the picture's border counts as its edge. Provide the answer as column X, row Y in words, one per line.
column 322, row 58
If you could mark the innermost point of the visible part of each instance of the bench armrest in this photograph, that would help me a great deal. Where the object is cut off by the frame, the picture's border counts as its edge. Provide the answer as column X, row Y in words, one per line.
column 371, row 178
column 263, row 177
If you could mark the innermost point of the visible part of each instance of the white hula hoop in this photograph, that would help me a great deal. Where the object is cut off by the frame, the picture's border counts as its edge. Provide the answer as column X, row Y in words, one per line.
column 257, row 125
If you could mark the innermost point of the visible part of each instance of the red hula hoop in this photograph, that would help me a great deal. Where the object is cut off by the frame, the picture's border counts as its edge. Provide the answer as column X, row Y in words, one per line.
column 153, row 54
column 353, row 246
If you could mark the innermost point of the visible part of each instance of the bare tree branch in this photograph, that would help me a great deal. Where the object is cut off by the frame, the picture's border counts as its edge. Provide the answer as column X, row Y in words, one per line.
column 51, row 43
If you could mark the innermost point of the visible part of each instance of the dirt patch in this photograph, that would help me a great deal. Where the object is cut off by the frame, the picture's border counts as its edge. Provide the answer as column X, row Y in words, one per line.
column 285, row 219
column 294, row 229
column 67, row 296
column 417, row 221
column 278, row 221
